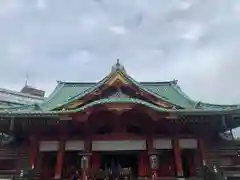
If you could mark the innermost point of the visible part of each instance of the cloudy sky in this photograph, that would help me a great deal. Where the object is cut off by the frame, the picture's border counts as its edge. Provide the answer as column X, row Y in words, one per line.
column 194, row 41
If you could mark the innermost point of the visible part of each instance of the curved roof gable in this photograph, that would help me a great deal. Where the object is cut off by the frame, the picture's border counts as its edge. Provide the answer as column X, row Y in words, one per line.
column 168, row 91
column 66, row 92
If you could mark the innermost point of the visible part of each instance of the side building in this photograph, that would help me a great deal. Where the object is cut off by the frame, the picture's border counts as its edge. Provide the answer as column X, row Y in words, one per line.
column 28, row 95
column 143, row 127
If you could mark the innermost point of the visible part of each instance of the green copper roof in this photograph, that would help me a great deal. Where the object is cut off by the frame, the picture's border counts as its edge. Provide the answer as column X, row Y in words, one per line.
column 66, row 92
column 168, row 91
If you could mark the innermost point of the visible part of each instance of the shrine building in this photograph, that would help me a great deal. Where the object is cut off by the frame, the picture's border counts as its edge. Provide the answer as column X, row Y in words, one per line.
column 118, row 120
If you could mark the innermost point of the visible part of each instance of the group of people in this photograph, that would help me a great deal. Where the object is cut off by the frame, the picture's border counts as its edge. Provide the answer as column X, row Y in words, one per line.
column 114, row 172
column 75, row 174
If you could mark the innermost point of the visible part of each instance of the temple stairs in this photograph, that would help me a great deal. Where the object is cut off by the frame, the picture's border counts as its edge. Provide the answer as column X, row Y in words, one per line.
column 19, row 157
column 223, row 156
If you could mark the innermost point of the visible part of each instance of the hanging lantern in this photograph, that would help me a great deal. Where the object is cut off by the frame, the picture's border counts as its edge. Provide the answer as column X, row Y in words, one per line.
column 154, row 162
column 238, row 153
column 84, row 162
column 84, row 166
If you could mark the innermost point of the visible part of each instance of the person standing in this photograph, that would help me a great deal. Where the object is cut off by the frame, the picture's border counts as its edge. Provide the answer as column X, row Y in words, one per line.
column 114, row 171
column 74, row 176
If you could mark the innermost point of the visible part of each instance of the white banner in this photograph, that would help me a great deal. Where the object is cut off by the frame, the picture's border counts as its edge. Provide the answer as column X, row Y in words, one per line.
column 162, row 144
column 74, row 146
column 188, row 143
column 119, row 145
column 48, row 145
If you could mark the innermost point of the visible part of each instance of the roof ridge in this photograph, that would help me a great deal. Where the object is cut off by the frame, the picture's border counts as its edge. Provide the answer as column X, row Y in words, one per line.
column 94, row 82
column 75, row 82
column 155, row 82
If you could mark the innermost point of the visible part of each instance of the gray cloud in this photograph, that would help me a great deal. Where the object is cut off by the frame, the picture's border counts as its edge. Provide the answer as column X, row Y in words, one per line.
column 194, row 41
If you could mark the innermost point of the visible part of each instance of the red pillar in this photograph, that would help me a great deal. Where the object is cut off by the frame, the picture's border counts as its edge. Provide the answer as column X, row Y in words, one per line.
column 202, row 149
column 33, row 151
column 141, row 165
column 178, row 159
column 95, row 160
column 151, row 150
column 58, row 167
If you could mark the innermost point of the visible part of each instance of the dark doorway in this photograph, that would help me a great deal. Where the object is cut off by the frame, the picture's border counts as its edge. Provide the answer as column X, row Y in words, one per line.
column 189, row 162
column 71, row 163
column 166, row 163
column 126, row 159
column 49, row 160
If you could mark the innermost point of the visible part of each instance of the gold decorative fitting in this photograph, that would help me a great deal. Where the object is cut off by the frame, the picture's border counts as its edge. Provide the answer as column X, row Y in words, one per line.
column 74, row 104
column 162, row 104
column 119, row 107
column 117, row 78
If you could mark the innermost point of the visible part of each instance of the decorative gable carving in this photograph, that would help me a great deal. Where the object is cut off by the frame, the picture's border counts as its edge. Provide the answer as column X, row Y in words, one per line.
column 119, row 94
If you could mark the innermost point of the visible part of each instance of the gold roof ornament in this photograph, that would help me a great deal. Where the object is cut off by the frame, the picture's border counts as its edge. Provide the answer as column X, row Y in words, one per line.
column 118, row 67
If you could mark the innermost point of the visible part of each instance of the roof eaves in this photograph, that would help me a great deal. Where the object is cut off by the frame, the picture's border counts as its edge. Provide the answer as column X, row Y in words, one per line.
column 155, row 107
column 180, row 112
column 217, row 106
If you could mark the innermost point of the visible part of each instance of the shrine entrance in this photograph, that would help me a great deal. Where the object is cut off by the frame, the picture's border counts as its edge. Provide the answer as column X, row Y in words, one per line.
column 121, row 153
column 71, row 163
column 48, row 164
column 166, row 162
column 120, row 159
column 189, row 162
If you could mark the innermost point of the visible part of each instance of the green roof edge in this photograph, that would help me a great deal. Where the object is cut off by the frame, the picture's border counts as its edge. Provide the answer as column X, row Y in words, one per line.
column 128, row 100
